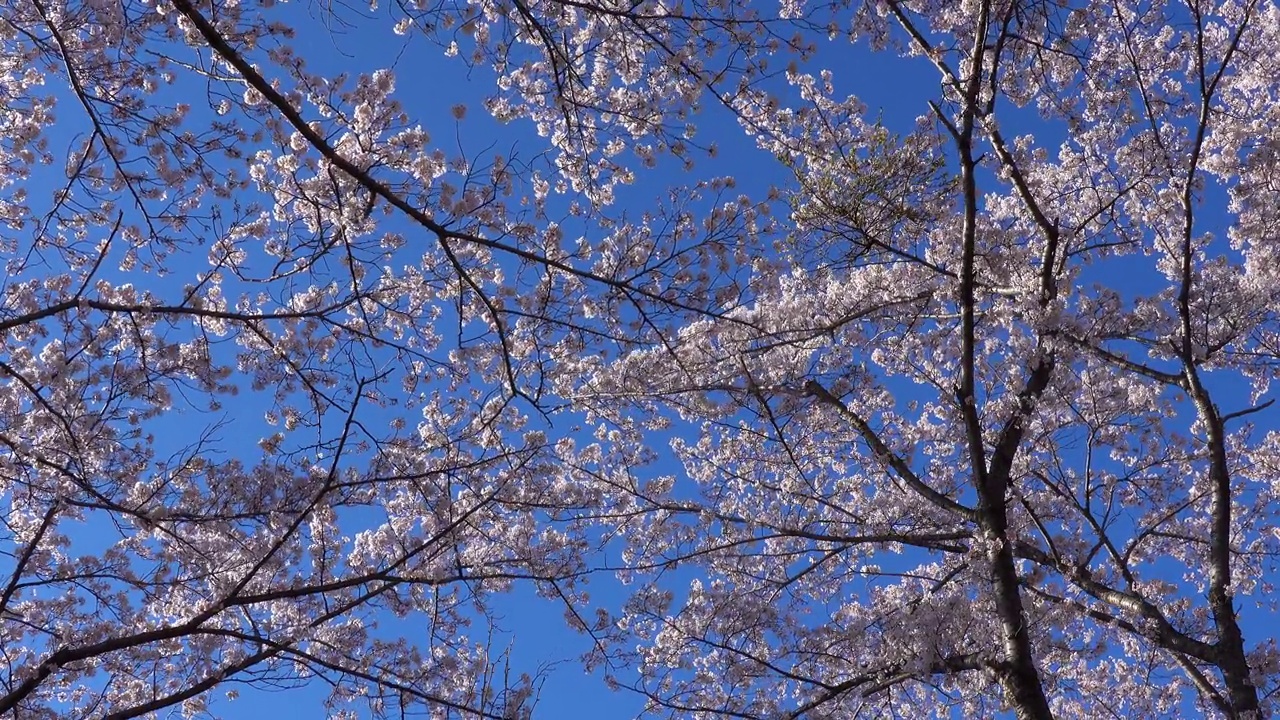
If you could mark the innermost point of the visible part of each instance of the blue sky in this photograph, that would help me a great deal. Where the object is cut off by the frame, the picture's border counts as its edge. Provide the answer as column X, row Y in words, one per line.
column 530, row 628
column 430, row 85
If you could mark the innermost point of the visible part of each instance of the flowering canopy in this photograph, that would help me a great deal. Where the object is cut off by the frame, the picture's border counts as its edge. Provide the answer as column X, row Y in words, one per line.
column 967, row 415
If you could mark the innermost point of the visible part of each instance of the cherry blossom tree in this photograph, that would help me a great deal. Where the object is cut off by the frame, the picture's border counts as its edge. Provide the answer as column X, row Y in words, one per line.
column 987, row 428
column 963, row 416
column 274, row 406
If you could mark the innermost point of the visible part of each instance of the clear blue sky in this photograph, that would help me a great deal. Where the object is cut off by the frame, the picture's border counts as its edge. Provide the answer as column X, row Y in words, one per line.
column 430, row 85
